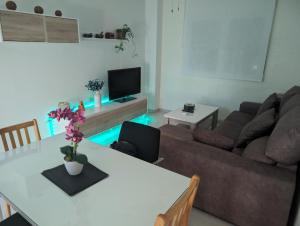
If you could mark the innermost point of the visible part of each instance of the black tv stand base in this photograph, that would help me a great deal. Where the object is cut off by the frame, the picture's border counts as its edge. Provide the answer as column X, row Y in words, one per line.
column 125, row 99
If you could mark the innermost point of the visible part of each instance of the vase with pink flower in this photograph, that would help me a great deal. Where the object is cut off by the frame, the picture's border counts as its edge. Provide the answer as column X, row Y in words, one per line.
column 74, row 161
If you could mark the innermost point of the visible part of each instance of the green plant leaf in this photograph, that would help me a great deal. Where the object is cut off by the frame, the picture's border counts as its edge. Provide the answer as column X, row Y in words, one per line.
column 67, row 150
column 80, row 158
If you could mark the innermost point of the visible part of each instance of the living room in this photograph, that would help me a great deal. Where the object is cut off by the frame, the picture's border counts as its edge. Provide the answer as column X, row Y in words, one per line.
column 208, row 57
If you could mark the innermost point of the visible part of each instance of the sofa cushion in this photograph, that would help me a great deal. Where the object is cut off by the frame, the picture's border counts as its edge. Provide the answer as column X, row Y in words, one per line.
column 284, row 143
column 213, row 138
column 250, row 108
column 238, row 151
column 229, row 129
column 240, row 118
column 271, row 102
column 256, row 151
column 260, row 126
column 291, row 92
column 290, row 104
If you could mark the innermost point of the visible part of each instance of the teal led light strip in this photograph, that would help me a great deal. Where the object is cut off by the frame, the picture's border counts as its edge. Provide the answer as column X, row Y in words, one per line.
column 106, row 137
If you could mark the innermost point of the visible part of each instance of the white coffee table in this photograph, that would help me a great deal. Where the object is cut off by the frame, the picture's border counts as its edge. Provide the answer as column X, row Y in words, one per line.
column 201, row 113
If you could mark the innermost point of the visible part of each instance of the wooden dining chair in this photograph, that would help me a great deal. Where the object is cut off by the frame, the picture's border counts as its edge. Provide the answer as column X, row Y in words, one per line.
column 179, row 213
column 17, row 129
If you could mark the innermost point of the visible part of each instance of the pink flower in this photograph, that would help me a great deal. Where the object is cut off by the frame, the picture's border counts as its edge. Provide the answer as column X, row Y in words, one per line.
column 75, row 136
column 69, row 129
column 78, row 117
column 52, row 114
column 72, row 132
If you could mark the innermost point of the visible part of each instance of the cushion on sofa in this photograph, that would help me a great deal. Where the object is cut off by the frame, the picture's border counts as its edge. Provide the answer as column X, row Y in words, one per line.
column 256, row 151
column 238, row 151
column 229, row 129
column 260, row 126
column 294, row 101
column 288, row 94
column 284, row 143
column 250, row 108
column 213, row 138
column 240, row 118
column 271, row 102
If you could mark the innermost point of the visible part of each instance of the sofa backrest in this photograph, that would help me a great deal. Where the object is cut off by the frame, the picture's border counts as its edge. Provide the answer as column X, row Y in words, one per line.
column 284, row 143
column 282, row 146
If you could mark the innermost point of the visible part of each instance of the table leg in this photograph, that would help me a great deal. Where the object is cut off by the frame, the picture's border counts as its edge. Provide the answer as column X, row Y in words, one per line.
column 215, row 120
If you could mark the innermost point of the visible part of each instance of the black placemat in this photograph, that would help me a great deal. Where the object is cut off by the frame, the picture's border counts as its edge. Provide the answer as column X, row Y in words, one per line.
column 74, row 184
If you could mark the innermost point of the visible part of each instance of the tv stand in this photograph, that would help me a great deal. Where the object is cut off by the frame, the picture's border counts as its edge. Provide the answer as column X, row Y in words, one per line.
column 125, row 99
column 112, row 114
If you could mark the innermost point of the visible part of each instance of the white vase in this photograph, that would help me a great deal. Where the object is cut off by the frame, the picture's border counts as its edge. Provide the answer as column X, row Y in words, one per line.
column 97, row 99
column 73, row 168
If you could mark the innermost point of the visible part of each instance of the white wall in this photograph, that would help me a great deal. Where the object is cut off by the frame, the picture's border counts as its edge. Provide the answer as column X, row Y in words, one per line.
column 153, row 51
column 282, row 71
column 34, row 77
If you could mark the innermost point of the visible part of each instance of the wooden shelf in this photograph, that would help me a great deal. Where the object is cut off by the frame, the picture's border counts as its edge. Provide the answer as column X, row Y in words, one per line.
column 61, row 30
column 26, row 27
column 102, row 39
column 22, row 27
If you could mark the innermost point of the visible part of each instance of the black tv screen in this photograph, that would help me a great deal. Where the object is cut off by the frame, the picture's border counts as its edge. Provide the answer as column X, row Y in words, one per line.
column 124, row 82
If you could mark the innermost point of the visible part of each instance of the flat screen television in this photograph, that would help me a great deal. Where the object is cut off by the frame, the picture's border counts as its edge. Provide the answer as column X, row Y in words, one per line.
column 124, row 82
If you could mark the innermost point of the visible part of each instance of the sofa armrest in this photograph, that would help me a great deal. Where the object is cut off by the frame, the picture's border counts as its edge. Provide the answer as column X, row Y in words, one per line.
column 250, row 108
column 238, row 190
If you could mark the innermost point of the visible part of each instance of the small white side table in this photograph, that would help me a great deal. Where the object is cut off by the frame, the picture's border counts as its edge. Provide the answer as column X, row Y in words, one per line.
column 201, row 113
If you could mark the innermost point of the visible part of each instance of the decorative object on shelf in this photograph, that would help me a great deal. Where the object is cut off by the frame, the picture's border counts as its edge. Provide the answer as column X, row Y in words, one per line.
column 11, row 5
column 109, row 35
column 125, row 34
column 120, row 34
column 58, row 13
column 101, row 35
column 74, row 161
column 96, row 86
column 87, row 35
column 38, row 10
column 81, row 106
column 64, row 104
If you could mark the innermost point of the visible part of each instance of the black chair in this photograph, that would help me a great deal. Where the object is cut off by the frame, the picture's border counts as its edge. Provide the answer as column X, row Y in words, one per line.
column 144, row 138
column 15, row 220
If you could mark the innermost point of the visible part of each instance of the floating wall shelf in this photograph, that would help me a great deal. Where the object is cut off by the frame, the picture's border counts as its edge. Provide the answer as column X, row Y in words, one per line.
column 26, row 27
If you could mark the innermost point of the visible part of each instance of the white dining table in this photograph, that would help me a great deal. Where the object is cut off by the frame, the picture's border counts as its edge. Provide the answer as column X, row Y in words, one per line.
column 133, row 195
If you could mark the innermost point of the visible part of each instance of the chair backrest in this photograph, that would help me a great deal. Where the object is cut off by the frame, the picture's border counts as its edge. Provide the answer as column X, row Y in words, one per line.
column 18, row 130
column 179, row 213
column 145, row 138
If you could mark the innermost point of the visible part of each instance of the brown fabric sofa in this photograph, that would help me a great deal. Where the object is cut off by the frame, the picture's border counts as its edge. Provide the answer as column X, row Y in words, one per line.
column 248, row 185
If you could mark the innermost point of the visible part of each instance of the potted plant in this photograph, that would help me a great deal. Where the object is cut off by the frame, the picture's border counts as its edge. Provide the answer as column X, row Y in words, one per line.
column 125, row 34
column 74, row 161
column 96, row 86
